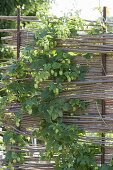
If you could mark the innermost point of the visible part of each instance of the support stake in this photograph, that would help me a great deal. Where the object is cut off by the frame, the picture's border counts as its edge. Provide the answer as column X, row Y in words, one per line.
column 103, row 101
column 18, row 33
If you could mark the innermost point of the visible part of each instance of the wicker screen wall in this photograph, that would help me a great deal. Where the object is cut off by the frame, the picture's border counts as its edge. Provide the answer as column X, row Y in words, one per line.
column 96, row 90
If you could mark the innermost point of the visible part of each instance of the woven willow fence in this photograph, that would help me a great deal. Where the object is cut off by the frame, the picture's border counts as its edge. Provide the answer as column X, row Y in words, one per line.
column 96, row 90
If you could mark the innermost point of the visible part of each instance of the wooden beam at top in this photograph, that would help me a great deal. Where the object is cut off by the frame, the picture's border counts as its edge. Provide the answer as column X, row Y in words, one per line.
column 14, row 18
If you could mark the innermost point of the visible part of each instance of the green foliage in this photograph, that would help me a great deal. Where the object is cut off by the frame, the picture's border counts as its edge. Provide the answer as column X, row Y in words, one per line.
column 8, row 7
column 63, row 141
column 17, row 140
column 36, row 7
column 105, row 167
column 39, row 82
column 51, row 70
column 6, row 53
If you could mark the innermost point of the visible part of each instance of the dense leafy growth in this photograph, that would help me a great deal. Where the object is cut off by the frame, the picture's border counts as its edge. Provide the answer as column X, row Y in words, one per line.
column 39, row 84
column 41, row 81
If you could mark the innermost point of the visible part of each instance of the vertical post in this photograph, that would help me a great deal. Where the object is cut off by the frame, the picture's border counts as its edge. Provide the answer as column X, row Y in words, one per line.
column 103, row 101
column 18, row 58
column 18, row 33
column 104, row 31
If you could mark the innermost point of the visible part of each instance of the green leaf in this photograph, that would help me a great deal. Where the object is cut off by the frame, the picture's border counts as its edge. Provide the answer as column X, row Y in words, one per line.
column 56, row 65
column 7, row 136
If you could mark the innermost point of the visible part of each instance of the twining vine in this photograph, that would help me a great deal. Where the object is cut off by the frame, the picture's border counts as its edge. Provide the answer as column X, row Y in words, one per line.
column 38, row 84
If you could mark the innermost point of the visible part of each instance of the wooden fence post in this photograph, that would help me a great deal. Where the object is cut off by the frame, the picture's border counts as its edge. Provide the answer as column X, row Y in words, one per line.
column 103, row 101
column 18, row 33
